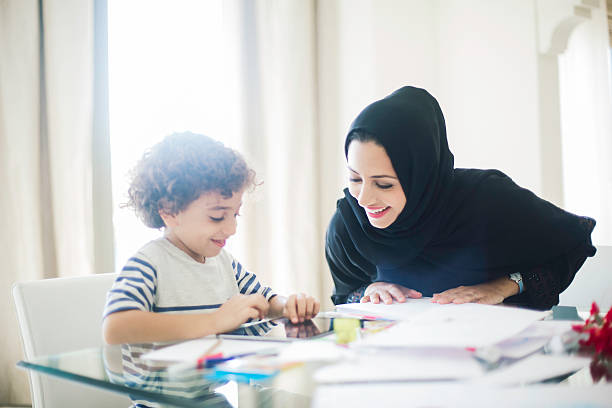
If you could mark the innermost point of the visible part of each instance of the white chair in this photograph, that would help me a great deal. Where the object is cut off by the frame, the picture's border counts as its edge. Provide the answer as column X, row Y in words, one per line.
column 593, row 282
column 59, row 315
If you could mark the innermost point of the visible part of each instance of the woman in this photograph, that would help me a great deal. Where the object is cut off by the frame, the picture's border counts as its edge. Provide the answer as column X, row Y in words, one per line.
column 412, row 225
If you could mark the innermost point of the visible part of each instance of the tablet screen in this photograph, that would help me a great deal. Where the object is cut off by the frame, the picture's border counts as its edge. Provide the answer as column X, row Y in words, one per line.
column 282, row 329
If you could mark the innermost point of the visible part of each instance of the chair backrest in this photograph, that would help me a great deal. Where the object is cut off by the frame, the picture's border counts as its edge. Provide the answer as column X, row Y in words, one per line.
column 593, row 282
column 59, row 315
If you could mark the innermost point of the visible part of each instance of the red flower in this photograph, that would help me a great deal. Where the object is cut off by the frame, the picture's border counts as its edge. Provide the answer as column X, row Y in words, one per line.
column 594, row 309
column 599, row 332
column 599, row 370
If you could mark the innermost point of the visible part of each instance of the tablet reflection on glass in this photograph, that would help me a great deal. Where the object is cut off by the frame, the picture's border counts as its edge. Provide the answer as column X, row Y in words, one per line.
column 282, row 329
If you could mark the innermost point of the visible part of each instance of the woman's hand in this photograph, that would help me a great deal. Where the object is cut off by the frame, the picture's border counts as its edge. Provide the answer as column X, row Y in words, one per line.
column 300, row 307
column 489, row 293
column 387, row 292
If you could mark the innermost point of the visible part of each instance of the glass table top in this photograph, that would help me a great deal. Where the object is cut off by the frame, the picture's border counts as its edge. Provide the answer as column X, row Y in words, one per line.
column 122, row 369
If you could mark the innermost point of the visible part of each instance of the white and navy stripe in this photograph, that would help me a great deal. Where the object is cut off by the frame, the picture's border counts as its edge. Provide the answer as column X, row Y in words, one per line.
column 248, row 283
column 161, row 278
column 134, row 288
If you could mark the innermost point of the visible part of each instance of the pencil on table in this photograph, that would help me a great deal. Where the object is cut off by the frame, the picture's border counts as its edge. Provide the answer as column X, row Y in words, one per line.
column 199, row 363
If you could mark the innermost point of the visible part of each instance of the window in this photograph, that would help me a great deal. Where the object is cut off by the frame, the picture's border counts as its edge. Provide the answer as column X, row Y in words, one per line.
column 165, row 75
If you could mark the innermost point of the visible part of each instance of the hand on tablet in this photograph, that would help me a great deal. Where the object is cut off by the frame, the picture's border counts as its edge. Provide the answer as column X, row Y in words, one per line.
column 300, row 307
column 240, row 308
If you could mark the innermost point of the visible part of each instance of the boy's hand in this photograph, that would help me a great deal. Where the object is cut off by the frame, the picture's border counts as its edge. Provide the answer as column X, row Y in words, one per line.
column 300, row 307
column 238, row 309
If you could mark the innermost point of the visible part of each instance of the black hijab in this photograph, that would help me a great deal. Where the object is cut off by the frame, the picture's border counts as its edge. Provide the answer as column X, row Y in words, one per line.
column 459, row 226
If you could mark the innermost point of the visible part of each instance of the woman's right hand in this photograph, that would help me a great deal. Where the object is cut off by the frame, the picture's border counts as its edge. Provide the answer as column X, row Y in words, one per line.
column 238, row 309
column 388, row 292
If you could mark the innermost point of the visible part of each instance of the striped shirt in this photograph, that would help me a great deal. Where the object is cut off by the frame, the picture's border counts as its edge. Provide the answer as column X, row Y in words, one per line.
column 162, row 278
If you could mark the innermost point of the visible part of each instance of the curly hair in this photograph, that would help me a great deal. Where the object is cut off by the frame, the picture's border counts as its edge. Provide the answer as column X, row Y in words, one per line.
column 177, row 170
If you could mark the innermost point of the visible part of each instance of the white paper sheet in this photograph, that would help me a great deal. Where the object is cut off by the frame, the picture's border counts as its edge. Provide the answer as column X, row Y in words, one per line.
column 319, row 351
column 519, row 347
column 460, row 395
column 536, row 368
column 191, row 350
column 395, row 311
column 465, row 325
column 409, row 365
column 533, row 338
column 547, row 328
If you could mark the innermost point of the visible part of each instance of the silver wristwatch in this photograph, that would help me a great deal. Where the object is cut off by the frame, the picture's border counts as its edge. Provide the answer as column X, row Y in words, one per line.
column 516, row 277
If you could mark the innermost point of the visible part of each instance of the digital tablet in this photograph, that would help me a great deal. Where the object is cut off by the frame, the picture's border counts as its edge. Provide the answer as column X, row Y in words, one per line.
column 281, row 329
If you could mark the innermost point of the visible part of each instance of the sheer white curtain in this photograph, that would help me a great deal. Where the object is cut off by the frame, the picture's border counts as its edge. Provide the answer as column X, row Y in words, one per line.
column 585, row 78
column 46, row 135
column 272, row 50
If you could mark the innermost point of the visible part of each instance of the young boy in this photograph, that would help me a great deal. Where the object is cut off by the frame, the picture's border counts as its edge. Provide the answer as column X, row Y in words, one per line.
column 185, row 285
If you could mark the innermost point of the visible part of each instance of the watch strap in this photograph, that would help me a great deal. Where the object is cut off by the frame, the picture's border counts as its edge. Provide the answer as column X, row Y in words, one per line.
column 518, row 278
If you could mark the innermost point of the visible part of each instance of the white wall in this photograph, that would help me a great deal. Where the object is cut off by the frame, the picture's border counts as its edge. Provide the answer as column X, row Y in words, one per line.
column 488, row 86
column 481, row 59
column 586, row 124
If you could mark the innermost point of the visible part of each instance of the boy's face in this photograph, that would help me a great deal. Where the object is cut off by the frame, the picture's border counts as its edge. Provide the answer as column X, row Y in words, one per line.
column 201, row 229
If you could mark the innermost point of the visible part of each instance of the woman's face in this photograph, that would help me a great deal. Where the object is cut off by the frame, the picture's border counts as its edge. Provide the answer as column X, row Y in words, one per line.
column 374, row 183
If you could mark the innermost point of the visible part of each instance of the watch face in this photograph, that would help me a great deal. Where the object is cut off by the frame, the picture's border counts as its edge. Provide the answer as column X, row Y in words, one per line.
column 518, row 279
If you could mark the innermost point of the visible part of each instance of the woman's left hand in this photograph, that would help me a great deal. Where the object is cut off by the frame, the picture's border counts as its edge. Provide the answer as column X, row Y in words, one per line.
column 489, row 293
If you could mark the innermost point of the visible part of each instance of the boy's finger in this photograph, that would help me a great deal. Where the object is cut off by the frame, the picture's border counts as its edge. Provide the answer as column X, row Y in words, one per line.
column 262, row 306
column 301, row 306
column 260, row 303
column 365, row 299
column 309, row 308
column 291, row 309
column 252, row 313
column 317, row 306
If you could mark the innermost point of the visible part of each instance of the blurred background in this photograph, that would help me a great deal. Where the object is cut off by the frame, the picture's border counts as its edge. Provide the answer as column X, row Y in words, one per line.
column 87, row 85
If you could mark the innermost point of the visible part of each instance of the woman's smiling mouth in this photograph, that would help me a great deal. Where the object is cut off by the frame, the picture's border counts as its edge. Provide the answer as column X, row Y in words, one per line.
column 377, row 212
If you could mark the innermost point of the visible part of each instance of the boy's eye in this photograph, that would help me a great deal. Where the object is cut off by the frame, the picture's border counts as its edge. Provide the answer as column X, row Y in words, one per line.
column 217, row 219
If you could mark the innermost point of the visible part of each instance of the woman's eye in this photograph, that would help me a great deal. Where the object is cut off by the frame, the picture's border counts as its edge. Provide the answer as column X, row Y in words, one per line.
column 384, row 186
column 217, row 219
column 354, row 180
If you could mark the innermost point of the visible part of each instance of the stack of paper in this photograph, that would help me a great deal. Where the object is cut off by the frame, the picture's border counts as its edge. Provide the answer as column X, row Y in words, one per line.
column 465, row 325
column 416, row 364
column 430, row 341
column 395, row 311
column 534, row 369
column 190, row 351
